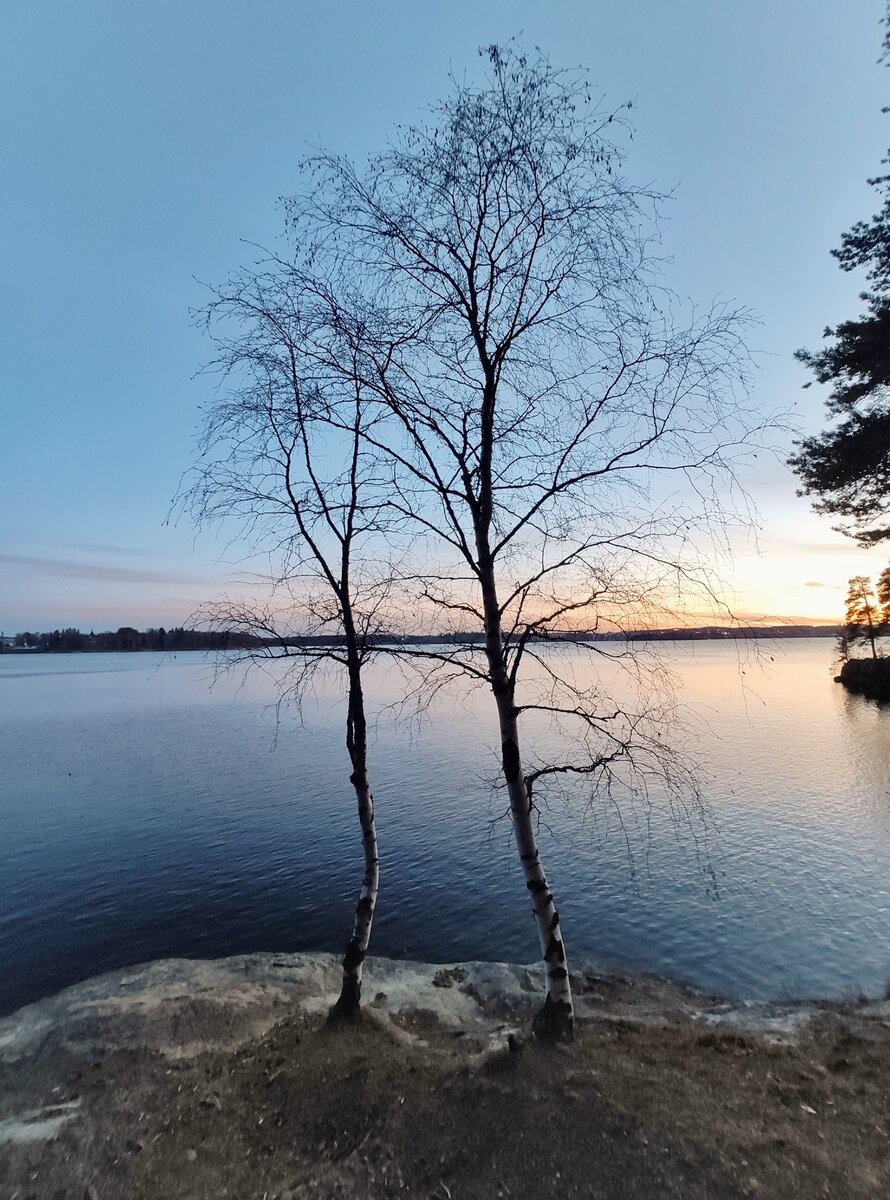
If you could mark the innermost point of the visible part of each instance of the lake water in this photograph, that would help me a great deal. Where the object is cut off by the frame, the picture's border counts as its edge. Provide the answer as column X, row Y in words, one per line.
column 145, row 813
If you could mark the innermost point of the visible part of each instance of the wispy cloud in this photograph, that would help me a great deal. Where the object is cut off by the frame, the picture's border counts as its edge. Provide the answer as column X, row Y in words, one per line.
column 843, row 547
column 63, row 569
column 19, row 537
column 99, row 548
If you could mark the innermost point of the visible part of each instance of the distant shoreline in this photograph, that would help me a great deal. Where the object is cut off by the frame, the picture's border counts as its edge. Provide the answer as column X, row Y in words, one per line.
column 230, row 641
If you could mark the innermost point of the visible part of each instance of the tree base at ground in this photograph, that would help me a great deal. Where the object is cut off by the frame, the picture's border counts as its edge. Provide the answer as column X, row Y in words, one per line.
column 869, row 677
column 347, row 1009
column 554, row 1022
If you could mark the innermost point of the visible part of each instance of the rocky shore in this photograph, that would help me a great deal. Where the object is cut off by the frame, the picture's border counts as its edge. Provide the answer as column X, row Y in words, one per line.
column 869, row 677
column 212, row 1079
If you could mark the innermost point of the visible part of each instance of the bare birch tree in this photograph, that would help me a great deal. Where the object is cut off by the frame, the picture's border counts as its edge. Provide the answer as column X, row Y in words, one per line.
column 288, row 457
column 561, row 443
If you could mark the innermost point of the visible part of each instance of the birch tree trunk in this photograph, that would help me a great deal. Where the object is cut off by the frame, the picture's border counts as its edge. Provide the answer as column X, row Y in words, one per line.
column 348, row 1002
column 556, row 1020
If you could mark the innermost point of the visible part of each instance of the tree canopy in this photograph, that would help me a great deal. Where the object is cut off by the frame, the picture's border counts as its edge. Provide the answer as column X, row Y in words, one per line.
column 864, row 621
column 847, row 466
column 883, row 590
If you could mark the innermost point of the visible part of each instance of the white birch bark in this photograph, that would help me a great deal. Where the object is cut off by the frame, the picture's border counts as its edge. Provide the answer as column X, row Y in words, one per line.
column 348, row 1002
column 557, row 1017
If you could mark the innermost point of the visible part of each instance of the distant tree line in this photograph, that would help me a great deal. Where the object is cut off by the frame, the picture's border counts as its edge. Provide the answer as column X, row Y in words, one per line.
column 126, row 638
column 719, row 633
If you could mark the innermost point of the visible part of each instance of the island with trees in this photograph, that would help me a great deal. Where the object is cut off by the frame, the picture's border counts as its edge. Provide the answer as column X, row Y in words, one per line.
column 867, row 622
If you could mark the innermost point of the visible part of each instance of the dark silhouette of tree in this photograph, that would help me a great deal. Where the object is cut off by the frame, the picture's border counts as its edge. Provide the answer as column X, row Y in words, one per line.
column 489, row 282
column 863, row 621
column 288, row 457
column 883, row 594
column 848, row 465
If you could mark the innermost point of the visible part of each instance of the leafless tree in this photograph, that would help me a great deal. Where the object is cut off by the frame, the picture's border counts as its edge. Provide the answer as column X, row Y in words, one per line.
column 286, row 454
column 560, row 434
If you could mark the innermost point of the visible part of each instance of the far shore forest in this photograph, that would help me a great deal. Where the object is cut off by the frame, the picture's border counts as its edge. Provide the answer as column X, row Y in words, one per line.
column 73, row 641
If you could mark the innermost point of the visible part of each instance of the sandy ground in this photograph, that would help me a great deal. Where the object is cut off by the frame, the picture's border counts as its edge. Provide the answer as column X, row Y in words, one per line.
column 218, row 1079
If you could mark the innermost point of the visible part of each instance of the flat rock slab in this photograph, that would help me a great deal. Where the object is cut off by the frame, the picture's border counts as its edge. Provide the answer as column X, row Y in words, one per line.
column 182, row 1007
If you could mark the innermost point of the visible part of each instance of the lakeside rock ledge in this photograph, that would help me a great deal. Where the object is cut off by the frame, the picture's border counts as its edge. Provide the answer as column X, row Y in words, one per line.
column 869, row 677
column 205, row 1079
column 182, row 1007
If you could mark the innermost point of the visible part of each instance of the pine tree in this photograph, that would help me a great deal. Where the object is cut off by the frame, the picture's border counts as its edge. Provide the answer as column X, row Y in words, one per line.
column 864, row 621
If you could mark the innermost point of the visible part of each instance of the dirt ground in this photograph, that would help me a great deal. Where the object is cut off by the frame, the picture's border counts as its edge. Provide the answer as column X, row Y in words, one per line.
column 670, row 1107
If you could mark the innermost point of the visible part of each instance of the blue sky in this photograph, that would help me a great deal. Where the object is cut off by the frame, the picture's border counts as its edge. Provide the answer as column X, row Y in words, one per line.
column 143, row 144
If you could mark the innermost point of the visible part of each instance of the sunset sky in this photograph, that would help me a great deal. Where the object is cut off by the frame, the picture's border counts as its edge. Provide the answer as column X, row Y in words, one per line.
column 144, row 144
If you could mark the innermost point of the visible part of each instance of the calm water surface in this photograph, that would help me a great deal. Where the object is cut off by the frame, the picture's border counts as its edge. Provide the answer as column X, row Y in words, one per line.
column 146, row 814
